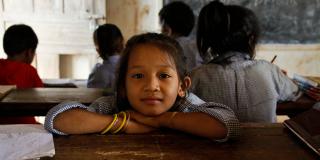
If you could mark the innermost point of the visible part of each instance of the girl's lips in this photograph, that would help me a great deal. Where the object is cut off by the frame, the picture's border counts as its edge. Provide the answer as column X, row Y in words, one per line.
column 151, row 101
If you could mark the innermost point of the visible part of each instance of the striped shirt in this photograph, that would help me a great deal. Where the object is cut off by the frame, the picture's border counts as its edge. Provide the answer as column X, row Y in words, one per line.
column 251, row 88
column 106, row 105
column 103, row 75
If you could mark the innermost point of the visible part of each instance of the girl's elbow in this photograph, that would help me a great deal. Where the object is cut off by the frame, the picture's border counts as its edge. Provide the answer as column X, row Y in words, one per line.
column 219, row 133
column 230, row 130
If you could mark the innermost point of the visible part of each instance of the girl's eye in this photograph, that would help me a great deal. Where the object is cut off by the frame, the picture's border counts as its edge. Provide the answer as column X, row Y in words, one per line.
column 137, row 76
column 164, row 75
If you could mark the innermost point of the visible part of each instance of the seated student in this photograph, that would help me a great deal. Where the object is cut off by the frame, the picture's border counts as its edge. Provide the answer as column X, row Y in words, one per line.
column 151, row 93
column 252, row 88
column 108, row 40
column 19, row 43
column 177, row 21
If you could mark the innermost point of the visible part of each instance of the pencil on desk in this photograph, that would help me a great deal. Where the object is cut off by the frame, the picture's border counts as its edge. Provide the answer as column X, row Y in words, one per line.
column 274, row 58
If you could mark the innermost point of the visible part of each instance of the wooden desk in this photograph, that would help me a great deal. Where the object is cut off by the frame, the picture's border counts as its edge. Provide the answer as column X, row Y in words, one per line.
column 258, row 141
column 37, row 102
column 65, row 83
column 294, row 108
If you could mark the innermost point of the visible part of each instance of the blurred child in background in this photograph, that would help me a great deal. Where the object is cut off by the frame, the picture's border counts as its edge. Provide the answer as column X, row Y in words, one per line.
column 109, row 44
column 177, row 21
column 19, row 43
column 227, row 35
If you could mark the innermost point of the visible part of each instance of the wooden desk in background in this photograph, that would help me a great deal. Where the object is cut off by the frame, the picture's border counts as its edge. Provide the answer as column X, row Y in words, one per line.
column 37, row 102
column 65, row 83
column 258, row 141
column 294, row 108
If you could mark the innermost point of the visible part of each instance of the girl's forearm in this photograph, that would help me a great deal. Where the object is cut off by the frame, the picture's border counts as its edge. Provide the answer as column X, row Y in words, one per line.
column 195, row 123
column 80, row 121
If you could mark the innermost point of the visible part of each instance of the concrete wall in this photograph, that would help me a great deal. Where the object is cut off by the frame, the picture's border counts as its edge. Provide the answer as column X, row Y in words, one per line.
column 301, row 59
column 134, row 16
column 137, row 16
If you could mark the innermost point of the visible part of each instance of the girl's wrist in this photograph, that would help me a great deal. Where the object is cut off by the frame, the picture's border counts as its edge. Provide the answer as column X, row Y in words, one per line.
column 167, row 119
column 118, row 124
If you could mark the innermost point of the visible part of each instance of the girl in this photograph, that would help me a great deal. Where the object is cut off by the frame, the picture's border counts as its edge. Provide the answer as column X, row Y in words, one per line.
column 151, row 93
column 226, row 38
column 108, row 40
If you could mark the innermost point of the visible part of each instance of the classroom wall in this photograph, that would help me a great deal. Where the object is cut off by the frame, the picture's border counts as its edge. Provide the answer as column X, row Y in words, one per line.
column 303, row 59
column 134, row 16
column 63, row 27
column 65, row 47
column 131, row 16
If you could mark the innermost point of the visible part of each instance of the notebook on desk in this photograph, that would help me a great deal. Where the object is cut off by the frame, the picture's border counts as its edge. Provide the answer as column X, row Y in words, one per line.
column 58, row 83
column 306, row 126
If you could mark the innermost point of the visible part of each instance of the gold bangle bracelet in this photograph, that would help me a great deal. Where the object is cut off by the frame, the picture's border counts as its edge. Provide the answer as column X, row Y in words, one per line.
column 122, row 123
column 128, row 120
column 115, row 117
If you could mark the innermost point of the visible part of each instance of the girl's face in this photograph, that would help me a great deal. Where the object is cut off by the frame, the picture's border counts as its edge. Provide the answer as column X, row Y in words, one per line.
column 152, row 83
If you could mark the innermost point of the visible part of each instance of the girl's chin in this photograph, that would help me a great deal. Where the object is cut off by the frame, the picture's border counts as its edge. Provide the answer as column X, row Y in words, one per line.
column 152, row 113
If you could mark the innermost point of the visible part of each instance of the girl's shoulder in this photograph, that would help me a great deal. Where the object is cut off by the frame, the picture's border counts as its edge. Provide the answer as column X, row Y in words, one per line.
column 266, row 65
column 96, row 67
column 262, row 62
column 193, row 99
column 187, row 103
column 105, row 105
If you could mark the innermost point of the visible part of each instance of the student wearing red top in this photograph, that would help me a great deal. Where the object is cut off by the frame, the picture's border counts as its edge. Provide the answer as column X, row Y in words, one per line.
column 19, row 43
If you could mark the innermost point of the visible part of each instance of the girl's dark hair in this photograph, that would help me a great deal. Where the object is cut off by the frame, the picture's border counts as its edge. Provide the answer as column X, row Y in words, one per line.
column 18, row 38
column 223, row 28
column 109, row 39
column 164, row 43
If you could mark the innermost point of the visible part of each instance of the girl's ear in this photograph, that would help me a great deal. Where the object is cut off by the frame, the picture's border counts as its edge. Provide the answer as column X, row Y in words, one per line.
column 97, row 49
column 184, row 86
column 166, row 30
column 29, row 55
column 120, row 45
column 187, row 82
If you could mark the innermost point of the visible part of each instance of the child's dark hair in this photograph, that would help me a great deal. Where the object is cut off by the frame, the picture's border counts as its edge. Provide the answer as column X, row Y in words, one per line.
column 178, row 16
column 164, row 43
column 18, row 38
column 224, row 28
column 109, row 39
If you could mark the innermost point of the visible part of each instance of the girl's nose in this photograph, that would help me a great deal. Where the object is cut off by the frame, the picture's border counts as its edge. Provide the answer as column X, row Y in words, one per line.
column 152, row 84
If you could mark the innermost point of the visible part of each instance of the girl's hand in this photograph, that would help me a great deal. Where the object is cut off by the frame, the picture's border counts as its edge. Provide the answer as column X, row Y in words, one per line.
column 146, row 120
column 136, row 127
column 153, row 121
column 192, row 122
